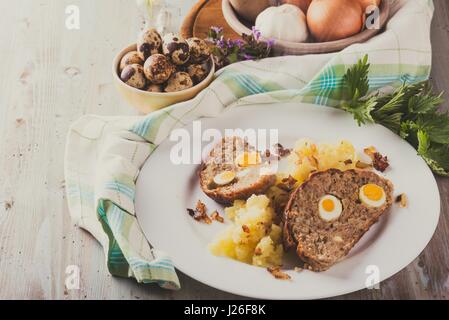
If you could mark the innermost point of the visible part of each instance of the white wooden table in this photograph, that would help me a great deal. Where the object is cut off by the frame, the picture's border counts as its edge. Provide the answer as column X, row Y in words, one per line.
column 50, row 77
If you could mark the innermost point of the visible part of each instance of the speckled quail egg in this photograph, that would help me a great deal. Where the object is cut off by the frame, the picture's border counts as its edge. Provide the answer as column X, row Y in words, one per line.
column 199, row 50
column 132, row 57
column 176, row 48
column 179, row 81
column 155, row 88
column 134, row 76
column 158, row 68
column 198, row 72
column 329, row 208
column 149, row 42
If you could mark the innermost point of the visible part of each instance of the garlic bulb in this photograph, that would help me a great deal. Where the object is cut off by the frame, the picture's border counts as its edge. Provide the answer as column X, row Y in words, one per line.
column 286, row 22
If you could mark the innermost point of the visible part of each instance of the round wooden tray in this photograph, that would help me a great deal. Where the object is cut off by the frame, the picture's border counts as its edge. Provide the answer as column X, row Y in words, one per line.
column 205, row 14
column 296, row 48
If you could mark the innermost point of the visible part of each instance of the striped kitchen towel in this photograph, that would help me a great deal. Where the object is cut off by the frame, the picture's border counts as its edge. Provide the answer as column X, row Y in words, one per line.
column 104, row 154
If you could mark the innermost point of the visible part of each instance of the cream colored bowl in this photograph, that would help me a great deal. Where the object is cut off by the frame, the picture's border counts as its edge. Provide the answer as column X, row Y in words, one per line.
column 147, row 102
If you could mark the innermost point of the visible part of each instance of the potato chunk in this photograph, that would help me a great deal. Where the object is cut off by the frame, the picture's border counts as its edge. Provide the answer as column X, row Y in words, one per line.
column 252, row 238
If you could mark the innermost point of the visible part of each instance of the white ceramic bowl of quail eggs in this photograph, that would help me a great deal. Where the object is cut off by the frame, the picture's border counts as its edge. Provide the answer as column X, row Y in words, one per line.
column 159, row 71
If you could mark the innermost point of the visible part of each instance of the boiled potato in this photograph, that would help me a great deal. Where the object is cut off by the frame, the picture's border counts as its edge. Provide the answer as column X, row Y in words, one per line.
column 308, row 157
column 267, row 253
column 231, row 212
column 252, row 238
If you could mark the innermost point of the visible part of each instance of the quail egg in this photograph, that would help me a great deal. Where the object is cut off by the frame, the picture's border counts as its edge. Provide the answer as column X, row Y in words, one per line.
column 224, row 178
column 149, row 43
column 246, row 159
column 158, row 68
column 179, row 81
column 330, row 208
column 176, row 48
column 199, row 50
column 372, row 195
column 134, row 76
column 132, row 57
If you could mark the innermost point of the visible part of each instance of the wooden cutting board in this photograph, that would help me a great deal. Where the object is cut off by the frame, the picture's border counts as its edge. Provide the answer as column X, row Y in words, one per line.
column 205, row 14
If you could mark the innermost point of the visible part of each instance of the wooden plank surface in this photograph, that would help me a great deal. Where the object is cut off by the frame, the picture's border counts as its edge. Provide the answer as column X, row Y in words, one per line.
column 50, row 77
column 203, row 15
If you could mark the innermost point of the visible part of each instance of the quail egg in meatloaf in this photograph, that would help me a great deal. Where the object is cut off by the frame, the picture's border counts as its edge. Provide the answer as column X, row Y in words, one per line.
column 372, row 195
column 330, row 208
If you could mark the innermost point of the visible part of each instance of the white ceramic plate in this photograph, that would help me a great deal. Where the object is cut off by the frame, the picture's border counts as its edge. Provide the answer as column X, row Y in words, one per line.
column 165, row 191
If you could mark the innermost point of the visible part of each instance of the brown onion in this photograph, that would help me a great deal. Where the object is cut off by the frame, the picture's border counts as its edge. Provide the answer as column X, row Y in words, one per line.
column 250, row 9
column 366, row 3
column 302, row 4
column 330, row 20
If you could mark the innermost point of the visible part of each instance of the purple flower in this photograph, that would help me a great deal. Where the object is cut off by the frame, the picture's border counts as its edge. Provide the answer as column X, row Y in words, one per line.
column 250, row 47
column 238, row 43
column 217, row 30
column 247, row 56
column 221, row 43
column 256, row 33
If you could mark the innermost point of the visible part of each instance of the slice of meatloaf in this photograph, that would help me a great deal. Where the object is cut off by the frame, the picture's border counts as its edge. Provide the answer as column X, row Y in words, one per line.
column 319, row 243
column 249, row 180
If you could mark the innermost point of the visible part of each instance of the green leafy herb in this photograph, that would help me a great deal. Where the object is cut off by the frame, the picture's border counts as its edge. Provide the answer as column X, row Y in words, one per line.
column 435, row 125
column 361, row 110
column 410, row 111
column 436, row 155
column 356, row 80
column 392, row 104
column 422, row 100
column 408, row 128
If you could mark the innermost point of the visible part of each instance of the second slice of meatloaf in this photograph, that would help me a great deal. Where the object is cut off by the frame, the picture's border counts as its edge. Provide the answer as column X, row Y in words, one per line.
column 320, row 243
column 222, row 158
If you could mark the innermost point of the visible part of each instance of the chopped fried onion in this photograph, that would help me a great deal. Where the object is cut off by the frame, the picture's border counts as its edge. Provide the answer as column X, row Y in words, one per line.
column 363, row 165
column 402, row 200
column 216, row 216
column 199, row 214
column 287, row 184
column 278, row 274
